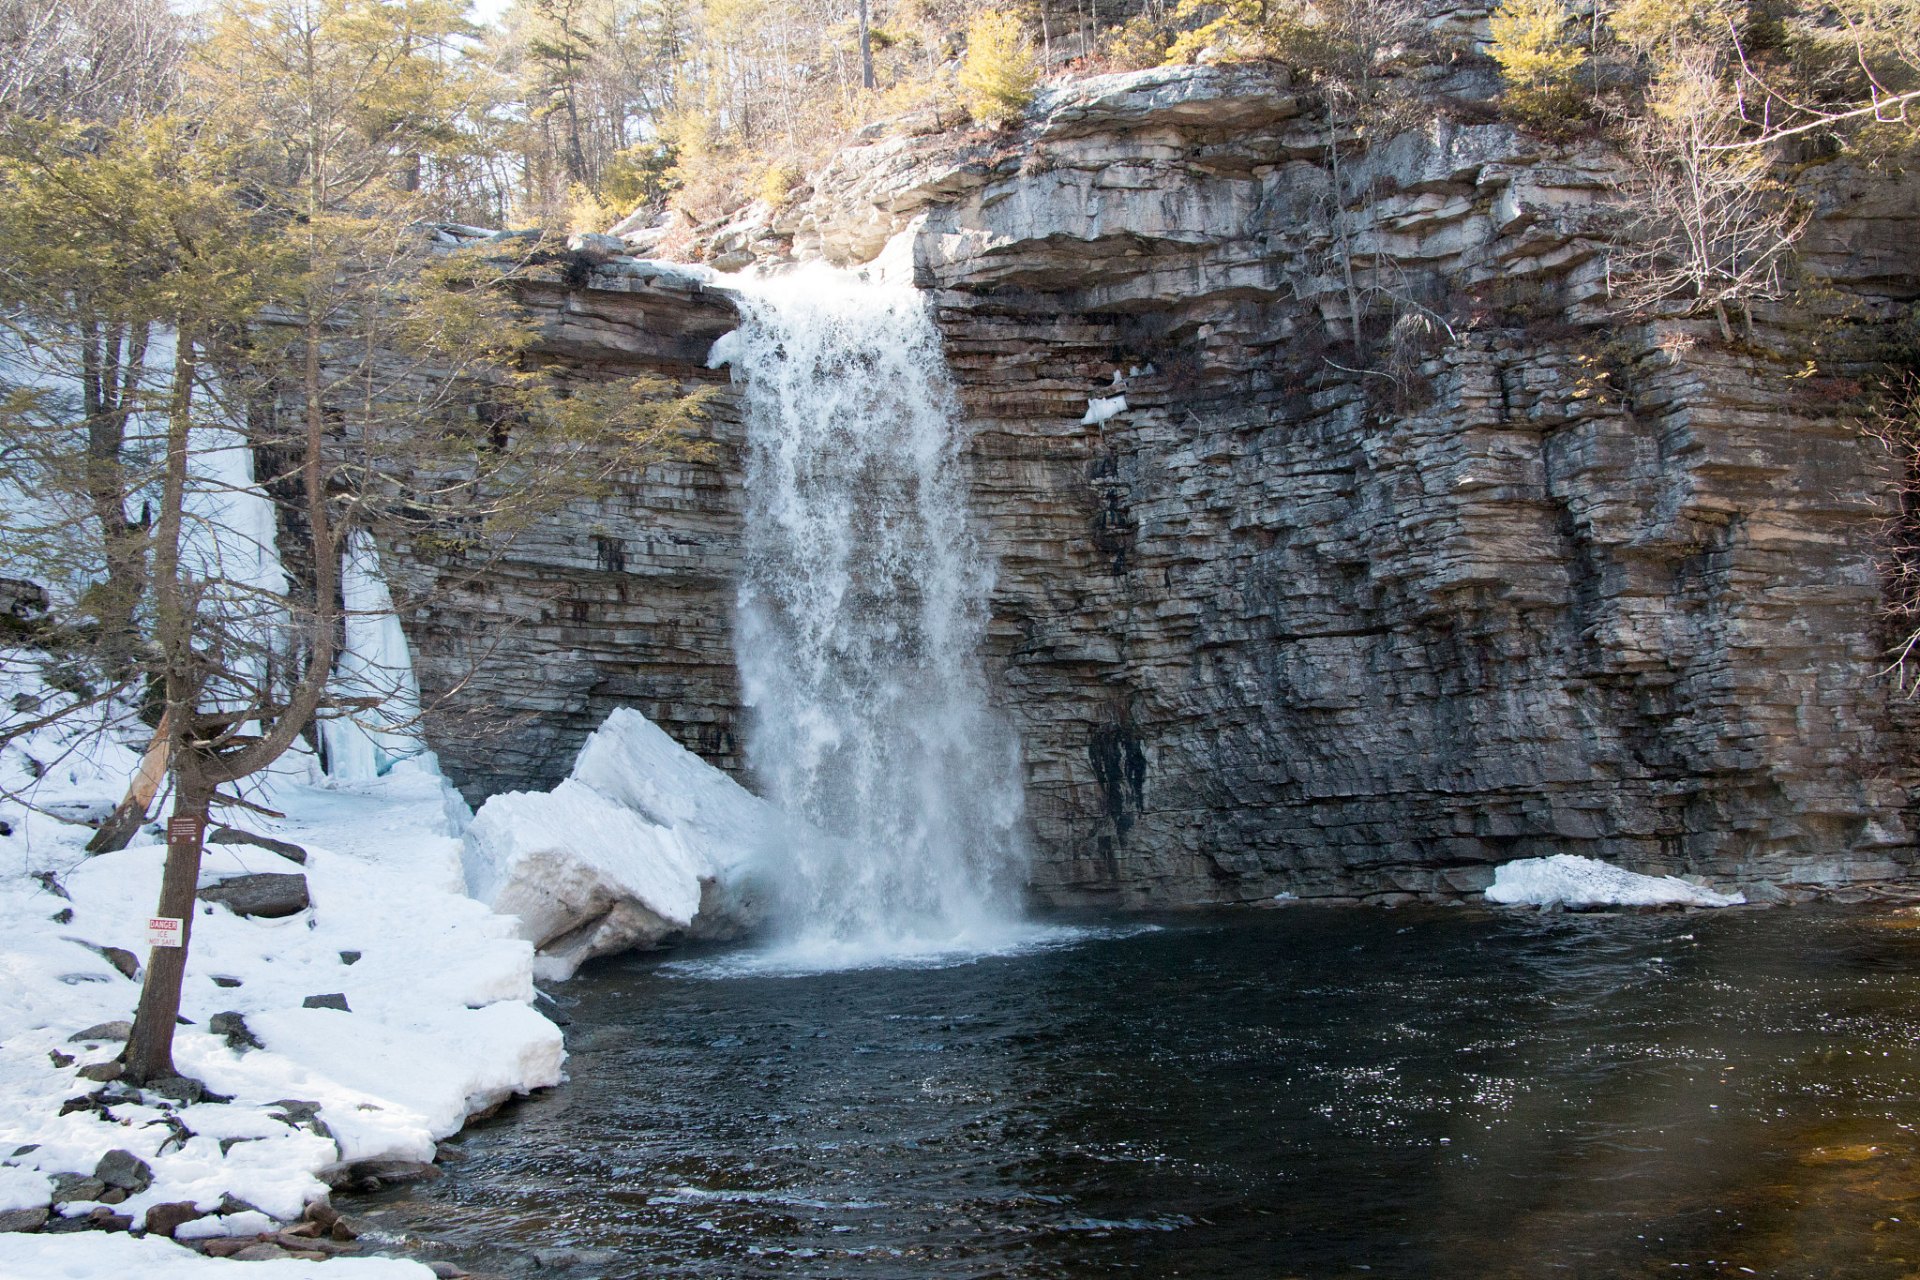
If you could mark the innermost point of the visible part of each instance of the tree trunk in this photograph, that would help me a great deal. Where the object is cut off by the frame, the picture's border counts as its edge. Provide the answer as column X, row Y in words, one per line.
column 149, row 1054
column 866, row 48
column 113, row 360
column 117, row 832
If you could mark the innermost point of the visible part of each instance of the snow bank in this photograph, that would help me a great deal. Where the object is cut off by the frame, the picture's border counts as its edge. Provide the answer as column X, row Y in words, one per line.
column 1569, row 881
column 438, row 1021
column 643, row 842
column 97, row 1256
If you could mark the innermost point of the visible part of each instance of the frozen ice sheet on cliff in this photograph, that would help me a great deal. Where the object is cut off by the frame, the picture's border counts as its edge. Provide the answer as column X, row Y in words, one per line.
column 1570, row 881
column 643, row 842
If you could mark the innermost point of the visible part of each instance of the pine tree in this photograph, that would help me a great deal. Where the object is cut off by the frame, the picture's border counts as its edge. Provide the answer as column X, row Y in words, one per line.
column 1538, row 61
column 998, row 76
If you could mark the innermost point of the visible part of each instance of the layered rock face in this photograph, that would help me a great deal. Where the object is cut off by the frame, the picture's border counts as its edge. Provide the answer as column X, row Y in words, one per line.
column 1362, row 615
column 1295, row 608
column 625, row 599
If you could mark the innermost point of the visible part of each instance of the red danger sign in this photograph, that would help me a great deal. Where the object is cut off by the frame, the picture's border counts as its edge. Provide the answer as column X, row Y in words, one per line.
column 163, row 931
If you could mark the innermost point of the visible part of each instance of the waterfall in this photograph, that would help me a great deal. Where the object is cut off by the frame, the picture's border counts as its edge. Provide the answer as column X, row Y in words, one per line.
column 861, row 612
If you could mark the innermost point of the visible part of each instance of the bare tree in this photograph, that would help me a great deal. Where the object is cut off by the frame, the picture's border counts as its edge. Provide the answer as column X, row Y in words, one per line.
column 1707, row 229
column 88, row 59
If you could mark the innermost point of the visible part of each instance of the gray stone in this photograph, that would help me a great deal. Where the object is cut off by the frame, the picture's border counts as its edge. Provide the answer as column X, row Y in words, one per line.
column 335, row 1000
column 263, row 1251
column 232, row 1027
column 123, row 1169
column 371, row 1175
column 22, row 1219
column 269, row 895
column 233, row 835
column 71, row 1187
column 102, row 1032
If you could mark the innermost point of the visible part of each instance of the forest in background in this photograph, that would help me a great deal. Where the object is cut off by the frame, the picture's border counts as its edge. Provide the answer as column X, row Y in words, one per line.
column 571, row 114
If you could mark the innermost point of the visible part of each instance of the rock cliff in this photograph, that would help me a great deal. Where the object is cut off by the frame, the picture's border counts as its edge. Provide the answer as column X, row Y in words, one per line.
column 1311, row 605
column 625, row 598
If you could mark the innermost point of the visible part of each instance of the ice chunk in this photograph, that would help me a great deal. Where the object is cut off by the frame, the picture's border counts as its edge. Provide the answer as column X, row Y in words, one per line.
column 643, row 842
column 1099, row 410
column 725, row 350
column 1571, row 881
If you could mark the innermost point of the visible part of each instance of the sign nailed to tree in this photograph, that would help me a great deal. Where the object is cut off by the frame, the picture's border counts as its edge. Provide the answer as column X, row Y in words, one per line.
column 163, row 931
column 184, row 830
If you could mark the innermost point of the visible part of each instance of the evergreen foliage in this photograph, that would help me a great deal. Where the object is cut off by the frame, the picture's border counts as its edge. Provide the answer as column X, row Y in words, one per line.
column 997, row 78
column 1538, row 62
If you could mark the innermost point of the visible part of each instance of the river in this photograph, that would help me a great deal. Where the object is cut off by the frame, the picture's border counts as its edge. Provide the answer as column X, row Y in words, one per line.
column 1301, row 1092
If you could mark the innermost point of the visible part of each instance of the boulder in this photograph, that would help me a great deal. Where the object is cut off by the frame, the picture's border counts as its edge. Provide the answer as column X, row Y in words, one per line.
column 22, row 1219
column 267, row 895
column 233, row 1028
column 102, row 1031
column 123, row 1169
column 165, row 1219
column 333, row 1000
column 285, row 848
column 71, row 1187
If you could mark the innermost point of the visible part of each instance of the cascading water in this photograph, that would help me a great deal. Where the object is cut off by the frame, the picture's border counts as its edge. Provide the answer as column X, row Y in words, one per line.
column 861, row 611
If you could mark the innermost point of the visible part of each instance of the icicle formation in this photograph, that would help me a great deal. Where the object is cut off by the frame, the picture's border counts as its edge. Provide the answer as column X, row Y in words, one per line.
column 861, row 613
column 374, row 661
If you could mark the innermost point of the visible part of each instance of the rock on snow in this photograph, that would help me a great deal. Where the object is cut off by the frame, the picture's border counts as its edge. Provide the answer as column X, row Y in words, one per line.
column 1566, row 880
column 643, row 842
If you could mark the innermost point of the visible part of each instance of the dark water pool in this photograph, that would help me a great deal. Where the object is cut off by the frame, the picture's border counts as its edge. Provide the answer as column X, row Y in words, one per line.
column 1292, row 1093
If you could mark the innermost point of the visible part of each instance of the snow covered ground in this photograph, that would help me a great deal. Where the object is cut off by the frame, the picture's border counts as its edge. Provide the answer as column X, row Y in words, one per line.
column 437, row 1025
column 1569, row 881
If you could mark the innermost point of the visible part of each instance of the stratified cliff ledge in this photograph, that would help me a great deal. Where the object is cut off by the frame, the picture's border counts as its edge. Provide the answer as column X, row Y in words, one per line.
column 1536, row 581
column 626, row 598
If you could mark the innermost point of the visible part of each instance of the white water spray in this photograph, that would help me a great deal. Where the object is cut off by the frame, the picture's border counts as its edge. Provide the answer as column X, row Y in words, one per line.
column 861, row 612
